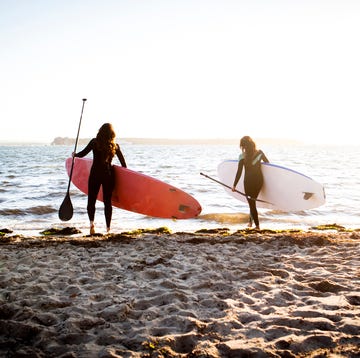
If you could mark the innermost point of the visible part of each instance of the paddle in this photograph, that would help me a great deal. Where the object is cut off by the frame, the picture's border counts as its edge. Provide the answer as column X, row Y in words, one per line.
column 66, row 208
column 237, row 191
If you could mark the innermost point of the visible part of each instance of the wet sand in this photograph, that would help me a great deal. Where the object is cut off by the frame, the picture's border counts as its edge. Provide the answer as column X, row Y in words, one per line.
column 211, row 293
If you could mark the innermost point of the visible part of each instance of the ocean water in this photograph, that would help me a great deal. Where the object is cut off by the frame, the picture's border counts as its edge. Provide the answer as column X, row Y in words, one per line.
column 33, row 184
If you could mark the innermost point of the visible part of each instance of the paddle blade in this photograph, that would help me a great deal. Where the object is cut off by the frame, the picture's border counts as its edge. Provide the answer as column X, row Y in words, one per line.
column 66, row 209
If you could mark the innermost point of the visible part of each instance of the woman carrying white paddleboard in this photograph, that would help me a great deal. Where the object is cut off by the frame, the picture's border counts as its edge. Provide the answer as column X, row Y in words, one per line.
column 250, row 159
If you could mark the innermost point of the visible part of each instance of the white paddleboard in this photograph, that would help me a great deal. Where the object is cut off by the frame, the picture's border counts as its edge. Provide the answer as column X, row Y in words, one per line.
column 284, row 189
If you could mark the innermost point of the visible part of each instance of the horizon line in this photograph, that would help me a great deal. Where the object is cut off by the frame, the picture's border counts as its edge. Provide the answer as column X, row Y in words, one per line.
column 152, row 140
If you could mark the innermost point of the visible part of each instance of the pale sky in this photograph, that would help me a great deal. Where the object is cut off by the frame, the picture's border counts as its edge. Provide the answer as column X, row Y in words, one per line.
column 181, row 68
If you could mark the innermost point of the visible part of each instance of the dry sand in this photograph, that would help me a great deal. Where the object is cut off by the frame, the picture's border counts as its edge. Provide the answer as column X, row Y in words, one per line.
column 204, row 294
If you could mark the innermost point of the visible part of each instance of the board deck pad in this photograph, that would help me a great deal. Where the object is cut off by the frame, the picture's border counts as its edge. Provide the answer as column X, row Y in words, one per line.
column 283, row 189
column 138, row 192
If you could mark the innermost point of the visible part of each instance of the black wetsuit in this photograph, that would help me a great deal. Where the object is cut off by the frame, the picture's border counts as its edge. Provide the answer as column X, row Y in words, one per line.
column 101, row 174
column 253, row 180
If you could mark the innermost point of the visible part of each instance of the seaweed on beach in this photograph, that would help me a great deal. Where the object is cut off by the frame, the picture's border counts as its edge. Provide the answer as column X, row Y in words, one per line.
column 159, row 230
column 219, row 231
column 5, row 231
column 266, row 231
column 329, row 227
column 64, row 231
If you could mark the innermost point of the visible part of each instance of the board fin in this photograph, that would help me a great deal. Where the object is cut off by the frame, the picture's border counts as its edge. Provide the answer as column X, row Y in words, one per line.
column 307, row 195
column 183, row 208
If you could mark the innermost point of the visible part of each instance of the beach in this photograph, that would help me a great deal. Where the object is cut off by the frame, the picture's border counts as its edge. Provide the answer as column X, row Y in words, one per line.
column 154, row 293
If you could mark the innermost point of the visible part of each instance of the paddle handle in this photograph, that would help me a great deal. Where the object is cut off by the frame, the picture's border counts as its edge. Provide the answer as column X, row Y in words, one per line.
column 237, row 191
column 223, row 184
column 76, row 142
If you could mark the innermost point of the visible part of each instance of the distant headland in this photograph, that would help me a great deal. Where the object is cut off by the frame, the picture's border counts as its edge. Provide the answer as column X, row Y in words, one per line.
column 68, row 141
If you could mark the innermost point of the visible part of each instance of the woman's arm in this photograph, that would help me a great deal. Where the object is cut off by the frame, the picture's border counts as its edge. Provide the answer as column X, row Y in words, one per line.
column 264, row 158
column 238, row 173
column 120, row 156
column 86, row 150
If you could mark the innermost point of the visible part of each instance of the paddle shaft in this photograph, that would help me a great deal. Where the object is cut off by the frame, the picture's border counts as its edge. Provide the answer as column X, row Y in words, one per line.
column 237, row 191
column 66, row 208
column 76, row 141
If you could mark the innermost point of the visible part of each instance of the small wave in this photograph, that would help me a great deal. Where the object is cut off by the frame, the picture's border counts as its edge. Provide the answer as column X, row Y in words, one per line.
column 35, row 210
column 10, row 212
column 41, row 210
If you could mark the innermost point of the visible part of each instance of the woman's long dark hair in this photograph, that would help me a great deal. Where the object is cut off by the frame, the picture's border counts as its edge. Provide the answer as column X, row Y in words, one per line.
column 105, row 141
column 249, row 146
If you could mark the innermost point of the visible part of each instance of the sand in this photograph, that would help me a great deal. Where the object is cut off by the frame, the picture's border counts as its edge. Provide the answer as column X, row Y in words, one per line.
column 160, row 294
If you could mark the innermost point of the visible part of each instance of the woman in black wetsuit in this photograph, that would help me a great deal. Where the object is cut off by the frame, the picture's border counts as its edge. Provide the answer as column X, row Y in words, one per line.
column 104, row 149
column 250, row 159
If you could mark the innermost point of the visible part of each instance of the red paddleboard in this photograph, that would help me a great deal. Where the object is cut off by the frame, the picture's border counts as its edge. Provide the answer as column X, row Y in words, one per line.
column 138, row 192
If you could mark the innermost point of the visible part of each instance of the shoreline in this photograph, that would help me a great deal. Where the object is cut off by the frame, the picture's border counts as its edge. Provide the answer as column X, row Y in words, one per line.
column 72, row 234
column 69, row 231
column 210, row 293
